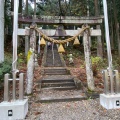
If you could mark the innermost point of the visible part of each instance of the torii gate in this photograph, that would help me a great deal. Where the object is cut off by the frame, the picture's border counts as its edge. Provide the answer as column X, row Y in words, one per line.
column 67, row 20
column 106, row 73
column 80, row 21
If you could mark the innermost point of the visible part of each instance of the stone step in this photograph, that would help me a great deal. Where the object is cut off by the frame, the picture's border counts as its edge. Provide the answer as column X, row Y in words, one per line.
column 60, row 77
column 57, row 80
column 49, row 58
column 60, row 96
column 58, row 84
column 55, row 70
column 51, row 65
column 67, row 99
column 60, row 88
column 55, row 73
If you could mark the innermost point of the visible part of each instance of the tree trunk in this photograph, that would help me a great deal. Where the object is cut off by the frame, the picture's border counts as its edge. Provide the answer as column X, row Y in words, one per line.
column 34, row 8
column 111, row 36
column 99, row 41
column 89, row 72
column 103, row 38
column 12, row 5
column 20, row 6
column 1, row 31
column 12, row 9
column 117, row 26
column 88, row 14
column 99, row 45
column 20, row 25
column 26, row 9
column 96, row 7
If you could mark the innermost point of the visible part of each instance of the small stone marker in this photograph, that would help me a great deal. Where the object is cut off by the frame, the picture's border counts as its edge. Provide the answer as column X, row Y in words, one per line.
column 71, row 59
column 13, row 109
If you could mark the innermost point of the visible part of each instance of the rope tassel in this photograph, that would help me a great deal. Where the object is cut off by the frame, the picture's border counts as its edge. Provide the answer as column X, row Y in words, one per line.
column 42, row 42
column 76, row 41
column 61, row 49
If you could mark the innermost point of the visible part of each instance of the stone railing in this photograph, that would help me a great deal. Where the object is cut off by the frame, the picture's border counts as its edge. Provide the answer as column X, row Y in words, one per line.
column 115, row 84
column 7, row 80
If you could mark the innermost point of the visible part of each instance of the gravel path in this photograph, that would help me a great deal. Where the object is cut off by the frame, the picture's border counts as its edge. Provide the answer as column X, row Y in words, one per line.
column 79, row 110
column 89, row 109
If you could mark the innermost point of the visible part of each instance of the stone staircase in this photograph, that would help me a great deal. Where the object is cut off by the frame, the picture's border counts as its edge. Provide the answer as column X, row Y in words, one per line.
column 57, row 85
column 56, row 71
column 49, row 57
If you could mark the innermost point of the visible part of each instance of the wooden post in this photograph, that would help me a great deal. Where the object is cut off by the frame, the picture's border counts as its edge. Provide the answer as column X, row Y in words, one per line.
column 87, row 52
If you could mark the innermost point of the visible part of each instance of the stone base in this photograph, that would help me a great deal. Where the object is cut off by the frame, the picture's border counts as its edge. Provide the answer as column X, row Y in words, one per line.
column 110, row 101
column 16, row 110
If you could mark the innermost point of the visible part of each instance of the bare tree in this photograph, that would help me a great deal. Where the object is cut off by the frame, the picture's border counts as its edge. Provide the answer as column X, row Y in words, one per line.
column 116, row 26
column 20, row 6
column 99, row 42
column 26, row 9
column 34, row 8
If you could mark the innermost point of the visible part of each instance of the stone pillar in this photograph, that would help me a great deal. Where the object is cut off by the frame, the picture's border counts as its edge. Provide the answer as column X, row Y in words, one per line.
column 30, row 59
column 87, row 52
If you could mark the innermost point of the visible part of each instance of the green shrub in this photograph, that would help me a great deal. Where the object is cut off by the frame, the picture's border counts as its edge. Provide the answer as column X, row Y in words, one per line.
column 96, row 63
column 116, row 63
column 96, row 60
column 21, row 59
column 5, row 67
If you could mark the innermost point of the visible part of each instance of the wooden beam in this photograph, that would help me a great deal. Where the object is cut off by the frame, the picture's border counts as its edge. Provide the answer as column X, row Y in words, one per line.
column 68, row 20
column 94, row 32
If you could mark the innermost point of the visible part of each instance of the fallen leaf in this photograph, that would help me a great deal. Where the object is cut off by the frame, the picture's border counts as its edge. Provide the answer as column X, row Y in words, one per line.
column 37, row 113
